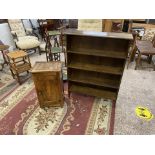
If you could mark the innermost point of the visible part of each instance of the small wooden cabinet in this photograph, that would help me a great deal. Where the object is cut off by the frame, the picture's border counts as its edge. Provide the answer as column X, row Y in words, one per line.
column 47, row 77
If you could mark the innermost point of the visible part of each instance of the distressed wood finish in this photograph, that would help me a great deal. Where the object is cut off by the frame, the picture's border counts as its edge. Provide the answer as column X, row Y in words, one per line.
column 47, row 78
column 19, row 62
column 96, row 61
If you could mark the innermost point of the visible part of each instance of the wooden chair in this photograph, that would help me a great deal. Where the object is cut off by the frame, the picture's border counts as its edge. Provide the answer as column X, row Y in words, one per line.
column 145, row 48
column 142, row 47
column 19, row 62
column 53, row 28
column 24, row 38
column 52, row 52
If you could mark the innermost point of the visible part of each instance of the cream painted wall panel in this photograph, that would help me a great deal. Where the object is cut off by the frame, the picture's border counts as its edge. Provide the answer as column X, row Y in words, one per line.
column 5, row 35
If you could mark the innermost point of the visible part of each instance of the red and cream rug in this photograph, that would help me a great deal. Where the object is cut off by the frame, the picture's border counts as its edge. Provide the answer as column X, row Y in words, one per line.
column 20, row 113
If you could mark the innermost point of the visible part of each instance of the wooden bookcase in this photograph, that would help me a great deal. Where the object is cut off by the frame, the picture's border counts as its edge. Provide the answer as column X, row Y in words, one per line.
column 96, row 61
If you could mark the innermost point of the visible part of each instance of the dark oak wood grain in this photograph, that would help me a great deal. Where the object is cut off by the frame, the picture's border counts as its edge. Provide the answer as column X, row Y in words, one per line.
column 87, row 90
column 96, row 61
column 96, row 68
column 127, row 36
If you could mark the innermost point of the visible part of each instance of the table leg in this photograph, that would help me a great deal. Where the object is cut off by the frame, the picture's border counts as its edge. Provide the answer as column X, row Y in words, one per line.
column 5, row 61
column 150, row 59
column 138, row 61
column 133, row 54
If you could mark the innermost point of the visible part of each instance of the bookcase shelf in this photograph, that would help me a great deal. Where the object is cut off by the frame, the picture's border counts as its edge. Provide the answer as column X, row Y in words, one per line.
column 87, row 90
column 87, row 78
column 96, row 68
column 96, row 61
column 110, row 54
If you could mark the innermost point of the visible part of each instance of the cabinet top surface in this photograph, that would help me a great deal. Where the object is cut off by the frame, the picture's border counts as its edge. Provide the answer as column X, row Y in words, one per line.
column 126, row 36
column 46, row 67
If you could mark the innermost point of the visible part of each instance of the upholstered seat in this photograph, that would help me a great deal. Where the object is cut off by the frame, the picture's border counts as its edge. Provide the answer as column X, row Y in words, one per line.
column 27, row 37
column 149, row 34
column 27, row 43
column 56, row 49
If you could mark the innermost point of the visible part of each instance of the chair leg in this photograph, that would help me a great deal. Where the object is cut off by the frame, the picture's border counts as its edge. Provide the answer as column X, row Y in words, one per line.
column 12, row 74
column 2, row 67
column 59, row 56
column 39, row 50
column 46, row 57
column 18, row 78
column 150, row 59
column 138, row 61
column 129, row 60
column 65, row 57
column 131, row 56
column 133, row 53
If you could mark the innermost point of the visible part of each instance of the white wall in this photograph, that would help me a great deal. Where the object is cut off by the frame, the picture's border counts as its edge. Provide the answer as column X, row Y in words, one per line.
column 27, row 23
column 5, row 35
column 6, row 38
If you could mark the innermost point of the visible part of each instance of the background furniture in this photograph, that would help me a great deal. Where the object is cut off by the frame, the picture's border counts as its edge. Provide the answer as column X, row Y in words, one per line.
column 3, row 48
column 90, row 25
column 33, row 26
column 3, row 21
column 113, row 25
column 73, row 23
column 146, row 40
column 52, row 52
column 19, row 62
column 101, row 25
column 47, row 78
column 49, row 25
column 142, row 47
column 55, row 32
column 24, row 39
column 96, row 61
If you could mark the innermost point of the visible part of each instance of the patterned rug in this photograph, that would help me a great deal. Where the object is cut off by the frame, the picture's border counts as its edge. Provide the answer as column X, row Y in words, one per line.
column 20, row 113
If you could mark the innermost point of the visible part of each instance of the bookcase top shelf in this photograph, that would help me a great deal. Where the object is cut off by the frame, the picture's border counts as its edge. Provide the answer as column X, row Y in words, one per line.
column 126, row 36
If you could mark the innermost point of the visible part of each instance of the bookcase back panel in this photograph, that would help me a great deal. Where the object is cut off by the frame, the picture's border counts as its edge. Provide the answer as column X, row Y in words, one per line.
column 100, row 79
column 94, row 86
column 85, row 42
column 87, row 89
column 84, row 59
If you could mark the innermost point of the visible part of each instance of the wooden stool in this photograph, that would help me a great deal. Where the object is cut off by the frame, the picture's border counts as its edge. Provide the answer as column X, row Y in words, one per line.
column 19, row 62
